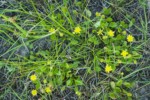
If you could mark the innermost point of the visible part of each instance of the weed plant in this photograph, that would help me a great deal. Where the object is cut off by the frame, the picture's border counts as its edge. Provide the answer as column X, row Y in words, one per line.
column 62, row 45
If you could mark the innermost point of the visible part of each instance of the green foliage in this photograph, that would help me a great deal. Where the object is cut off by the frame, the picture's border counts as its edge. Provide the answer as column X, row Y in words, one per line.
column 90, row 44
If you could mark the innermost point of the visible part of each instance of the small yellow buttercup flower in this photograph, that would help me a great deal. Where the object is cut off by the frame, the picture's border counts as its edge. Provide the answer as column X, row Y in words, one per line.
column 52, row 30
column 111, row 33
column 34, row 92
column 124, row 53
column 48, row 90
column 108, row 69
column 130, row 38
column 100, row 32
column 33, row 77
column 77, row 30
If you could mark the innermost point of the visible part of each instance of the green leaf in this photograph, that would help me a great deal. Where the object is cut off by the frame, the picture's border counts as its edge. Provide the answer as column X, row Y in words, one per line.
column 94, row 40
column 67, row 66
column 119, row 83
column 75, row 64
column 113, row 24
column 78, row 3
column 78, row 82
column 117, row 90
column 119, row 37
column 88, row 12
column 97, row 24
column 127, row 93
column 64, row 9
column 112, row 83
column 123, row 24
column 106, row 11
column 109, row 19
column 104, row 24
column 74, row 42
column 2, row 64
column 112, row 95
column 59, row 73
column 38, row 85
column 63, row 88
column 97, row 68
column 59, row 80
column 131, row 22
column 96, row 65
column 106, row 96
column 119, row 30
column 53, row 37
column 89, row 70
column 11, row 69
column 127, row 84
column 69, row 82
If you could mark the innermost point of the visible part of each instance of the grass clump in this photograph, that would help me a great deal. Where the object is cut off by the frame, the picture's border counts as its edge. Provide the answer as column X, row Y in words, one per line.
column 77, row 45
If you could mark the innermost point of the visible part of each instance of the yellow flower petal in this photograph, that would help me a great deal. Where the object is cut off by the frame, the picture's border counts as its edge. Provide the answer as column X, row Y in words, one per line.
column 33, row 77
column 108, row 69
column 34, row 92
column 130, row 38
column 124, row 53
column 111, row 33
column 77, row 30
column 48, row 90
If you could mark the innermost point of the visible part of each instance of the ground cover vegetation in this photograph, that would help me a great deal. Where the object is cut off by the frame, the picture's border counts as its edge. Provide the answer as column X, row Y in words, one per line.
column 74, row 50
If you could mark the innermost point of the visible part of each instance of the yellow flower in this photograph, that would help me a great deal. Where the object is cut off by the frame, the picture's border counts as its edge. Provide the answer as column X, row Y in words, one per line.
column 100, row 32
column 97, row 14
column 130, row 38
column 52, row 30
column 77, row 30
column 111, row 33
column 34, row 92
column 33, row 77
column 48, row 90
column 108, row 69
column 124, row 53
